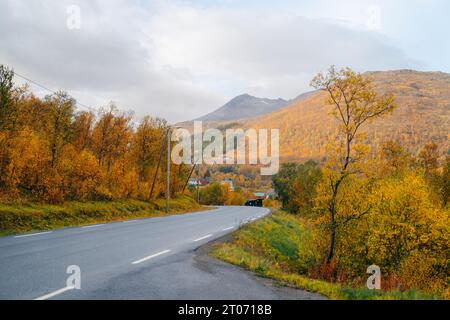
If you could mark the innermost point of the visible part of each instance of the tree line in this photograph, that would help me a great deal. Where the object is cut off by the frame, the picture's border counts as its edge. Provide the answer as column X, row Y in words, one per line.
column 52, row 152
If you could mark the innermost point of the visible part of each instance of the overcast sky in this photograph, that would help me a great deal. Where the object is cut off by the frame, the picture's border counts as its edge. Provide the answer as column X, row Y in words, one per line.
column 182, row 59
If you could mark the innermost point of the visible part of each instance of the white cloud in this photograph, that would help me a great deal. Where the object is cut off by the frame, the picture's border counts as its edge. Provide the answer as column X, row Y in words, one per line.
column 179, row 61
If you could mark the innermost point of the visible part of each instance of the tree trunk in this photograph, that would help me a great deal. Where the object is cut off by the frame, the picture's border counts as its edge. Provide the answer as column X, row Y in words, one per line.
column 53, row 160
column 332, row 207
column 333, row 225
column 332, row 241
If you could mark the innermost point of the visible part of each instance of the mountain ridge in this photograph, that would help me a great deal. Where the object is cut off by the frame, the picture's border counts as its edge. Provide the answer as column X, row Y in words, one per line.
column 422, row 116
column 246, row 106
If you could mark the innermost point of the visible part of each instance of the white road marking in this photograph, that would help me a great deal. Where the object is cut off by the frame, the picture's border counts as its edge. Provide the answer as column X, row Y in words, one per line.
column 203, row 238
column 32, row 234
column 150, row 257
column 226, row 229
column 129, row 221
column 93, row 226
column 55, row 293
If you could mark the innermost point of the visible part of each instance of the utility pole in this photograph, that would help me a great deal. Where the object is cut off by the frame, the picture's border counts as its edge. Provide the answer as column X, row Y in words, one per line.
column 197, row 159
column 168, row 171
column 161, row 153
column 189, row 177
column 198, row 185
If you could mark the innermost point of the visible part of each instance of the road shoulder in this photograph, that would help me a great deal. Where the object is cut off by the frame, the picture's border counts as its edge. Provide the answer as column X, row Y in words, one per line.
column 204, row 261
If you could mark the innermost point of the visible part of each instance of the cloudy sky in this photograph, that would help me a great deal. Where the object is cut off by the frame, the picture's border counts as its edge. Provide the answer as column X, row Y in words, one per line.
column 182, row 59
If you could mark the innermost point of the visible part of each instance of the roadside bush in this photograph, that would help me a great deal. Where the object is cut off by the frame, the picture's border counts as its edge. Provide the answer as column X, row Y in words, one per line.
column 296, row 185
column 404, row 233
column 217, row 194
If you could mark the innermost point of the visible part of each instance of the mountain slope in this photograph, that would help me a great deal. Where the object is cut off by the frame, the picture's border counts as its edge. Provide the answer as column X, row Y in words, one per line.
column 422, row 115
column 244, row 106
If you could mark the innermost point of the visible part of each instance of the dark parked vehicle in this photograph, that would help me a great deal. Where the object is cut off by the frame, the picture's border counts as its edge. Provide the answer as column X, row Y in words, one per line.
column 254, row 203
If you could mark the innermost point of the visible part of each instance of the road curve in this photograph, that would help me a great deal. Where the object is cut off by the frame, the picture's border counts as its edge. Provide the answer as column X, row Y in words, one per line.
column 137, row 259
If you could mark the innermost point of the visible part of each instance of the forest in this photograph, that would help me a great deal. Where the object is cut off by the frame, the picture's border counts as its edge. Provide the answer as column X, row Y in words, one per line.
column 52, row 152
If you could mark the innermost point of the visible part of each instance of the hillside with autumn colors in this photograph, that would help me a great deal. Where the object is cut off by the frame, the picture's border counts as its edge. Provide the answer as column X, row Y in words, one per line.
column 422, row 115
column 351, row 209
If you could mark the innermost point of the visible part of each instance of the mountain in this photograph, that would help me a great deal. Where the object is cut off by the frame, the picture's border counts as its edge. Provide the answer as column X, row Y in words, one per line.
column 422, row 115
column 244, row 106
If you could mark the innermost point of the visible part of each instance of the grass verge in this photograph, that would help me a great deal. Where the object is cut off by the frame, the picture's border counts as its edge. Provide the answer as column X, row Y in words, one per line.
column 278, row 247
column 21, row 218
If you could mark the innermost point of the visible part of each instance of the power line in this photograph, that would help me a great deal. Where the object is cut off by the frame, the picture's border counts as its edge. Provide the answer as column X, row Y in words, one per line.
column 50, row 90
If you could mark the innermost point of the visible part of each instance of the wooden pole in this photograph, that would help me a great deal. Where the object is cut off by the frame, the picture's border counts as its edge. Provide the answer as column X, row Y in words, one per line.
column 168, row 173
column 190, row 175
column 157, row 167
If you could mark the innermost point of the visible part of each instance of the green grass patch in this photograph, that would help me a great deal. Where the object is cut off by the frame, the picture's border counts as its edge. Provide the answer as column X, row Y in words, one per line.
column 21, row 218
column 280, row 247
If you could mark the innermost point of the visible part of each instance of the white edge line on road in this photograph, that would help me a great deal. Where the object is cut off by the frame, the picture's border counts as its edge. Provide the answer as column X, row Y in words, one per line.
column 93, row 226
column 129, row 221
column 150, row 257
column 55, row 293
column 226, row 229
column 32, row 234
column 203, row 238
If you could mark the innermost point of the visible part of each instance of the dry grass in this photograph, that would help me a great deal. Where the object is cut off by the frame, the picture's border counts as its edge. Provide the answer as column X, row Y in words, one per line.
column 28, row 217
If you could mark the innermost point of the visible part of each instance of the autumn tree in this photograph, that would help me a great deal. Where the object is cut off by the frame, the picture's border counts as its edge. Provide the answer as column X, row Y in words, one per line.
column 394, row 155
column 82, row 130
column 102, row 139
column 296, row 185
column 355, row 103
column 6, row 96
column 283, row 181
column 111, row 136
column 10, row 99
column 6, row 86
column 112, row 140
column 446, row 182
column 215, row 194
column 408, row 236
column 146, row 146
column 405, row 233
column 429, row 158
column 429, row 161
column 60, row 114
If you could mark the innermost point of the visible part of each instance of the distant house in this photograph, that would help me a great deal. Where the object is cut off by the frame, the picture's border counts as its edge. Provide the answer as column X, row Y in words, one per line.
column 259, row 195
column 270, row 194
column 193, row 182
column 228, row 182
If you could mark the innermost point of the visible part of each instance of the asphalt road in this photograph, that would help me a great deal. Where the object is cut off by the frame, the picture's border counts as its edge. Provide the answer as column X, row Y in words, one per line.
column 153, row 258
